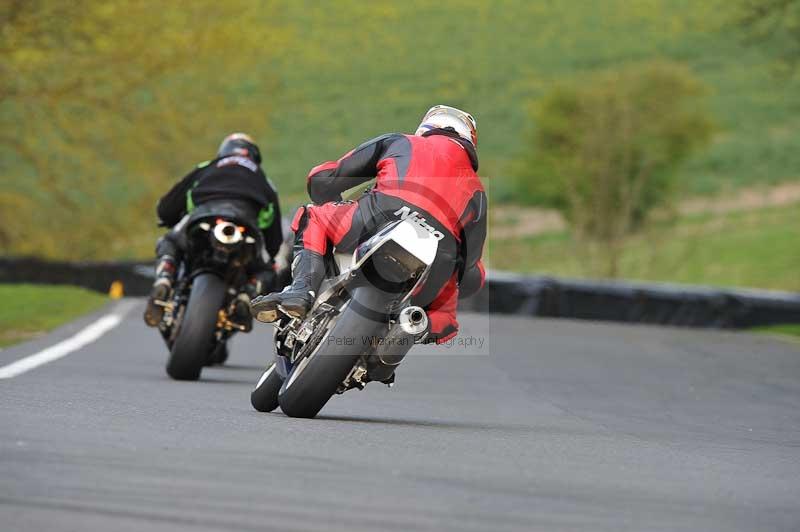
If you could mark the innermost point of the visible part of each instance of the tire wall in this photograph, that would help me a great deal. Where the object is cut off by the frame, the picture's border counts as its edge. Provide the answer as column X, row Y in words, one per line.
column 681, row 305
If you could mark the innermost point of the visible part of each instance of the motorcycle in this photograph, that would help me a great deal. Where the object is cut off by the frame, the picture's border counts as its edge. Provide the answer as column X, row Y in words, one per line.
column 360, row 327
column 201, row 315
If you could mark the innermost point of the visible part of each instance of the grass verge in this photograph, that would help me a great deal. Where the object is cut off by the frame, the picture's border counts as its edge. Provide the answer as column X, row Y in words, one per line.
column 758, row 248
column 31, row 310
column 787, row 329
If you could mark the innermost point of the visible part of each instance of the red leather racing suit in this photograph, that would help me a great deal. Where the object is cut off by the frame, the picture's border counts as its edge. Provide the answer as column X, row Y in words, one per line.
column 435, row 175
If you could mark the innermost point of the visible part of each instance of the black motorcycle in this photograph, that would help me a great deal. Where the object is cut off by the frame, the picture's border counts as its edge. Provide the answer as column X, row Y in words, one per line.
column 208, row 305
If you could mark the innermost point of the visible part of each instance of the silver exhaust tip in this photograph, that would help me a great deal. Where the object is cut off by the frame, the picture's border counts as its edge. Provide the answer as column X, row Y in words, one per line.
column 227, row 233
column 413, row 320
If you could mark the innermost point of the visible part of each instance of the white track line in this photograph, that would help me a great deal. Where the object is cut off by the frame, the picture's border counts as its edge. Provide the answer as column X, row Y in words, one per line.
column 63, row 348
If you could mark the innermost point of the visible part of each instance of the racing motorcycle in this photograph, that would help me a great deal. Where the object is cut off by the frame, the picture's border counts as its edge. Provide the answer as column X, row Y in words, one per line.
column 360, row 327
column 207, row 306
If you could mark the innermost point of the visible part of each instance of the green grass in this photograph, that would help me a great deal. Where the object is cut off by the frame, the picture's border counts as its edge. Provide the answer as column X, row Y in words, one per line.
column 30, row 310
column 787, row 329
column 759, row 248
column 365, row 68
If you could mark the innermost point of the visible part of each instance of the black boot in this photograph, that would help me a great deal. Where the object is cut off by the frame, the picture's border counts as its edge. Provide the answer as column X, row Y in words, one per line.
column 241, row 312
column 159, row 294
column 296, row 299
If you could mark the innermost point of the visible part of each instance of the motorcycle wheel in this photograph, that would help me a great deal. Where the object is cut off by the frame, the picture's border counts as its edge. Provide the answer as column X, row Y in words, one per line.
column 315, row 378
column 265, row 397
column 195, row 339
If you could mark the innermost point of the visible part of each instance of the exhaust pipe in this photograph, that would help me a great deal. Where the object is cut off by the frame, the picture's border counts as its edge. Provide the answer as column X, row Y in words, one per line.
column 227, row 233
column 413, row 320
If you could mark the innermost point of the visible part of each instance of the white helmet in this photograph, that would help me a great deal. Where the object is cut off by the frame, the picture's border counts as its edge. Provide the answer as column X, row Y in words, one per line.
column 442, row 116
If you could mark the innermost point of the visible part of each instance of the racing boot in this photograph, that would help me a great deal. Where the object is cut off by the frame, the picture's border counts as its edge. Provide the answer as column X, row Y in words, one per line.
column 296, row 299
column 159, row 294
column 241, row 312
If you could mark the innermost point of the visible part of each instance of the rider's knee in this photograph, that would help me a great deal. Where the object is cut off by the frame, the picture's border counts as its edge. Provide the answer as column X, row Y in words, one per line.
column 443, row 326
column 166, row 245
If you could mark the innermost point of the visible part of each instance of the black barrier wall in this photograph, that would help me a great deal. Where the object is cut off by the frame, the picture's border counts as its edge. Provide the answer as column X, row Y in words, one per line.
column 136, row 277
column 681, row 305
column 504, row 293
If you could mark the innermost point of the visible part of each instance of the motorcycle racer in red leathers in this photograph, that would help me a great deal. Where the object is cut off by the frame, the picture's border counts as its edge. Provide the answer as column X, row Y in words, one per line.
column 430, row 176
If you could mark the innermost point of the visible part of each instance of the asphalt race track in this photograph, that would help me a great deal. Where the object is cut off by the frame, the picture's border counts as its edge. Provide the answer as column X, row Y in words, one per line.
column 550, row 425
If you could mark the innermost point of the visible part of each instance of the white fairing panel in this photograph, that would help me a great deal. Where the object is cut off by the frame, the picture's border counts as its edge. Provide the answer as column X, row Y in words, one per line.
column 416, row 240
column 412, row 237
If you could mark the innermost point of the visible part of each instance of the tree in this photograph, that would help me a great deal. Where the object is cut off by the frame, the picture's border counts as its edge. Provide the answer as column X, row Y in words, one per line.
column 609, row 146
column 96, row 100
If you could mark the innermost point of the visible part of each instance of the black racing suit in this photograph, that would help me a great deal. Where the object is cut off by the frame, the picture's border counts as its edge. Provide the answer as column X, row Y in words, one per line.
column 235, row 183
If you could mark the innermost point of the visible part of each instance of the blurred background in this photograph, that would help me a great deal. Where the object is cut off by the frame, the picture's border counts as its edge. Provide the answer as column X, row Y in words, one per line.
column 633, row 140
column 655, row 139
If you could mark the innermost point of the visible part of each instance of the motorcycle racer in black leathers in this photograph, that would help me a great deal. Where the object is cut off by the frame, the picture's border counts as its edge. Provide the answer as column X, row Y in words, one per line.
column 233, row 179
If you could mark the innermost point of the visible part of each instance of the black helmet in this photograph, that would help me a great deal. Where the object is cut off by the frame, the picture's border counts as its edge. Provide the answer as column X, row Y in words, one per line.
column 240, row 144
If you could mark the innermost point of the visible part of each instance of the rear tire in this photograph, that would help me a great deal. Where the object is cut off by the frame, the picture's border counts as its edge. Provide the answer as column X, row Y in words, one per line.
column 315, row 378
column 194, row 342
column 265, row 397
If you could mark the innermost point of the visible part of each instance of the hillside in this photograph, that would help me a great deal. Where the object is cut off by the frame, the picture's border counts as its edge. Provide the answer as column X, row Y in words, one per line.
column 332, row 74
column 360, row 70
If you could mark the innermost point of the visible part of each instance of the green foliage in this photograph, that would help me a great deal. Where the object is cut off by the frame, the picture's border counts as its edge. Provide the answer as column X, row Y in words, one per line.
column 30, row 310
column 774, row 25
column 135, row 93
column 101, row 101
column 611, row 144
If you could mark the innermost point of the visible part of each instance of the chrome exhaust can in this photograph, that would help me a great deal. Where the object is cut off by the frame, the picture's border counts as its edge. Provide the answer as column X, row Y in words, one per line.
column 413, row 320
column 227, row 233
